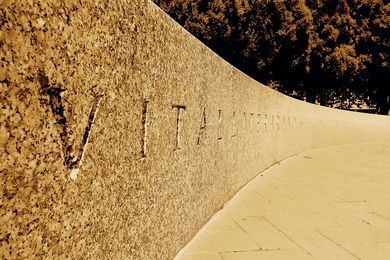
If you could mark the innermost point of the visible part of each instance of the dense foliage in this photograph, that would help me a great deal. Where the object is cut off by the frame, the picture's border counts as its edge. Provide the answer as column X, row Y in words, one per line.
column 331, row 52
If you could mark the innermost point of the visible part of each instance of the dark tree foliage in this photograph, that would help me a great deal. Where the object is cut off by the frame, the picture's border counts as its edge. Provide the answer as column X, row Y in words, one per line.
column 331, row 52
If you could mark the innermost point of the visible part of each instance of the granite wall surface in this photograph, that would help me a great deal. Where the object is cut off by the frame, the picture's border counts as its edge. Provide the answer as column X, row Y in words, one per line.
column 121, row 134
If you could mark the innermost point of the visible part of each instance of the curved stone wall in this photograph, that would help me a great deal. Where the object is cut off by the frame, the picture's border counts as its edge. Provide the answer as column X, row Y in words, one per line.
column 121, row 134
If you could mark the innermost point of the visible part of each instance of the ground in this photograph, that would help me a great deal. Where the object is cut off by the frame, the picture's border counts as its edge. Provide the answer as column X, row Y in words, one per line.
column 329, row 203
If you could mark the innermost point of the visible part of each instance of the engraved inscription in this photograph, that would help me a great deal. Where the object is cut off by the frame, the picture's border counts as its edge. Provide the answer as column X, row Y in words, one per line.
column 145, row 122
column 251, row 122
column 219, row 125
column 234, row 125
column 179, row 109
column 202, row 129
column 76, row 165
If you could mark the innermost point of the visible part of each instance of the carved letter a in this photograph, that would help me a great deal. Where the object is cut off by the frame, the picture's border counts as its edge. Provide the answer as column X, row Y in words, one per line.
column 202, row 129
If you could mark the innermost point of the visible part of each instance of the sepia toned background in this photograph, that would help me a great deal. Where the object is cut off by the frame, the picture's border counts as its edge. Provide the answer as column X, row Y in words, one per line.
column 176, row 133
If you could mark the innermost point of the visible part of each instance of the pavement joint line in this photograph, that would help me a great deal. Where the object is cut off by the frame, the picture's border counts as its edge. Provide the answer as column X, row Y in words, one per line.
column 352, row 201
column 376, row 214
column 364, row 221
column 370, row 243
column 247, row 234
column 250, row 251
column 339, row 245
column 243, row 217
column 307, row 252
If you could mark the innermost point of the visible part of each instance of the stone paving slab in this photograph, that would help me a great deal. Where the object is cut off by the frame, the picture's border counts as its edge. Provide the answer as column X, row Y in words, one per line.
column 329, row 203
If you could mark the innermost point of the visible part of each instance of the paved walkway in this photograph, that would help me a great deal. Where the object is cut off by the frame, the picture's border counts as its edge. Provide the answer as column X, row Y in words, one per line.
column 331, row 203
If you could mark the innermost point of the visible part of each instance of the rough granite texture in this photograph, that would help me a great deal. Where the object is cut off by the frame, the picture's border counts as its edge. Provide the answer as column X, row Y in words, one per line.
column 172, row 130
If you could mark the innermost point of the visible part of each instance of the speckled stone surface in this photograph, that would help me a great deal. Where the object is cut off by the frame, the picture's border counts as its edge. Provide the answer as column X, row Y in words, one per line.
column 160, row 130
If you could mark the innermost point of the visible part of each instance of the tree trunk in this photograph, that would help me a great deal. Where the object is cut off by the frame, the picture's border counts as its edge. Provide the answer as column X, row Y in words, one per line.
column 311, row 95
column 310, row 90
column 383, row 106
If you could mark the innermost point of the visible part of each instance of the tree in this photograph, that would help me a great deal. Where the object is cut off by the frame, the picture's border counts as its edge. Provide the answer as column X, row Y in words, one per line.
column 373, row 18
column 320, row 51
